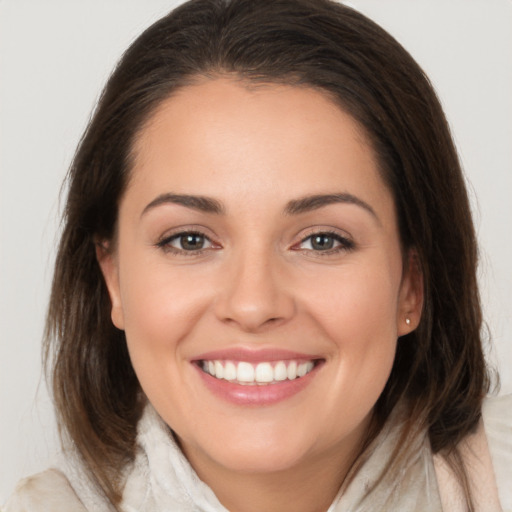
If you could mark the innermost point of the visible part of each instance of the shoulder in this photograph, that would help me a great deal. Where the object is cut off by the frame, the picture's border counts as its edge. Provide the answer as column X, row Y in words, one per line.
column 497, row 419
column 487, row 456
column 49, row 491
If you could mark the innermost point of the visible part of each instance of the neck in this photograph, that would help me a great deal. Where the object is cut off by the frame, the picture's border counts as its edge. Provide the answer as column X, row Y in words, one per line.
column 308, row 487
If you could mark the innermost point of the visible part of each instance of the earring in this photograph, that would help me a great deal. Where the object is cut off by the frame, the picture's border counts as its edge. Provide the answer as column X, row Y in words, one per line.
column 408, row 321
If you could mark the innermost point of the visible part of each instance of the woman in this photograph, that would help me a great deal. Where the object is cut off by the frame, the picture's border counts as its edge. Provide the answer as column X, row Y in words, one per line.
column 265, row 294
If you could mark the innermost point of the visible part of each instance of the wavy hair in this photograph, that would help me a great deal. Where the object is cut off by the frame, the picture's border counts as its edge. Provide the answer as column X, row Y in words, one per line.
column 439, row 370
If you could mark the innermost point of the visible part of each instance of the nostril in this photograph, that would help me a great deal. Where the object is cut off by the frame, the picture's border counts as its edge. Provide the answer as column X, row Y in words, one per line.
column 254, row 324
column 253, row 299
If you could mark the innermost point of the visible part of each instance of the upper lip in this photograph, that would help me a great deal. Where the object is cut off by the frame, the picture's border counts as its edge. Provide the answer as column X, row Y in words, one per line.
column 253, row 355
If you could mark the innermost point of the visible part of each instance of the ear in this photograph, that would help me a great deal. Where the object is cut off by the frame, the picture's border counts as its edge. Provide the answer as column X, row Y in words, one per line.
column 108, row 263
column 411, row 295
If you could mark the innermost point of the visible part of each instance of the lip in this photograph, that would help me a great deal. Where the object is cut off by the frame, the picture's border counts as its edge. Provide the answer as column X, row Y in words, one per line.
column 255, row 395
column 253, row 355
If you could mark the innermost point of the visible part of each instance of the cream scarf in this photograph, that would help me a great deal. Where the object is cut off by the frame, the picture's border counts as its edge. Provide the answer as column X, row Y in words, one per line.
column 162, row 480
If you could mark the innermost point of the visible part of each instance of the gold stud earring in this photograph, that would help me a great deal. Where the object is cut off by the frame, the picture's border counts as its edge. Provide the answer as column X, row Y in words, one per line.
column 408, row 321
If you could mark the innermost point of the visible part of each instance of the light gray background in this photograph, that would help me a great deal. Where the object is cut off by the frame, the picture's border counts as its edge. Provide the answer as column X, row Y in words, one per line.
column 54, row 57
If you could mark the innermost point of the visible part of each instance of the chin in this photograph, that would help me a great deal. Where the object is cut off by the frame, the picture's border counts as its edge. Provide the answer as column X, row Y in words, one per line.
column 256, row 450
column 270, row 460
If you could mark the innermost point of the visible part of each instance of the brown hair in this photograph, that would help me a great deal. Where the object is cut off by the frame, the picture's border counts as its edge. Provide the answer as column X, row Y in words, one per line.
column 439, row 369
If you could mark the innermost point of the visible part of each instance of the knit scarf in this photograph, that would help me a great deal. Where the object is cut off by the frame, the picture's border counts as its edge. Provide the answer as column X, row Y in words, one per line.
column 161, row 478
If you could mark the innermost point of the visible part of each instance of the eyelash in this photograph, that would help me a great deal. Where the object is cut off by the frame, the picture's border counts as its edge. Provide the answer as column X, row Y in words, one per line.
column 345, row 244
column 165, row 243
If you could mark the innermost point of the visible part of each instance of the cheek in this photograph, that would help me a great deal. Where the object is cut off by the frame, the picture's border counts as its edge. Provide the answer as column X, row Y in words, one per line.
column 357, row 306
column 160, row 306
column 358, row 315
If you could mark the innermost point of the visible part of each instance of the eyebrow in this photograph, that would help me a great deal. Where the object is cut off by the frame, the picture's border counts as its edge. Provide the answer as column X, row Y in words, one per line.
column 295, row 207
column 314, row 202
column 200, row 203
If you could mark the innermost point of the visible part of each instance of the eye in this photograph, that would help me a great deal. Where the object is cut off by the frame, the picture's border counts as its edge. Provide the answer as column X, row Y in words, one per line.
column 325, row 242
column 187, row 241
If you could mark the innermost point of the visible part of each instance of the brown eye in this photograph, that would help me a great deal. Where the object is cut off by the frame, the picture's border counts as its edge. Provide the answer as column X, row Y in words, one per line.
column 322, row 242
column 326, row 242
column 191, row 241
column 186, row 242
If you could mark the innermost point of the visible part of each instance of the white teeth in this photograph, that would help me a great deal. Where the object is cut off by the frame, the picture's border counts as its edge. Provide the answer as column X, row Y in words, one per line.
column 291, row 371
column 219, row 370
column 280, row 371
column 302, row 369
column 262, row 373
column 244, row 372
column 229, row 371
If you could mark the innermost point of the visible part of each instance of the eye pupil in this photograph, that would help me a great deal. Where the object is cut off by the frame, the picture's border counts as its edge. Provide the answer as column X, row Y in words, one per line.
column 322, row 242
column 192, row 241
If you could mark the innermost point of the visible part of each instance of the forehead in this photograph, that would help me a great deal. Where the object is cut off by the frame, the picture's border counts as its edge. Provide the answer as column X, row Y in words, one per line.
column 245, row 108
column 222, row 137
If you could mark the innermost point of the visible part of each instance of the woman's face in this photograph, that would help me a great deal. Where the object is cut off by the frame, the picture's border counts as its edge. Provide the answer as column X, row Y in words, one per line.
column 258, row 275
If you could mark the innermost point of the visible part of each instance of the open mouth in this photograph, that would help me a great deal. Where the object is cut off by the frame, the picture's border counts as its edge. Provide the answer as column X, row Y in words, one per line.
column 260, row 374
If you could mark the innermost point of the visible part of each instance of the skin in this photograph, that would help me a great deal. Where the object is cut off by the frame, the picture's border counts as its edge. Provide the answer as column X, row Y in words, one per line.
column 258, row 282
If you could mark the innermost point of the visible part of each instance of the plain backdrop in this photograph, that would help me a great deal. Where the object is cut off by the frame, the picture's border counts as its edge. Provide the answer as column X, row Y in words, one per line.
column 55, row 55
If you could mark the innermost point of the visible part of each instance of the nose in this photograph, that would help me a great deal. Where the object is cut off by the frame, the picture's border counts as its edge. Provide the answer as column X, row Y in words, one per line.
column 255, row 293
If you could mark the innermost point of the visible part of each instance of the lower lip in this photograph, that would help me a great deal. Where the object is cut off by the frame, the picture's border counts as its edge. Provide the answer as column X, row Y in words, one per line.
column 256, row 395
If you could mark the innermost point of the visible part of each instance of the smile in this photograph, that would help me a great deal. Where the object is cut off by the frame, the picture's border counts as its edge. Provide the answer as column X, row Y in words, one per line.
column 256, row 378
column 261, row 374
